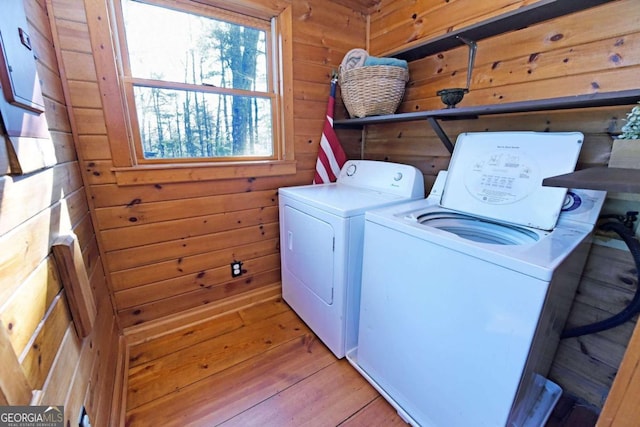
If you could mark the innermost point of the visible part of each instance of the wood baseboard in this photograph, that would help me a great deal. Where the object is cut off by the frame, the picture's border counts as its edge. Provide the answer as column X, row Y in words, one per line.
column 159, row 327
column 119, row 398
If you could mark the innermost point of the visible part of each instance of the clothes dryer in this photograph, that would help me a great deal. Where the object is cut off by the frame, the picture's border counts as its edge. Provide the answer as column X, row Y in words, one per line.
column 321, row 238
column 465, row 293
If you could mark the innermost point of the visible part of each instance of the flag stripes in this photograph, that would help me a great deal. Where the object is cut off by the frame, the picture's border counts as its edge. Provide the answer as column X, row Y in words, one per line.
column 331, row 156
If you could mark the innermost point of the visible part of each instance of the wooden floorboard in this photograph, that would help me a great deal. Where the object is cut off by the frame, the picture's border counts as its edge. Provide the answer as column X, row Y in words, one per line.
column 217, row 398
column 378, row 413
column 260, row 366
column 328, row 397
column 176, row 370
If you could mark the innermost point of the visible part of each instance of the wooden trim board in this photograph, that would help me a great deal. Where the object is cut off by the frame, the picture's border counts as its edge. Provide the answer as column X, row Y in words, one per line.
column 68, row 256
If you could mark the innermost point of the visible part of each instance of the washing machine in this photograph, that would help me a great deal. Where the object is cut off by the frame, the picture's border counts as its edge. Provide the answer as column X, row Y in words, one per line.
column 465, row 293
column 321, row 238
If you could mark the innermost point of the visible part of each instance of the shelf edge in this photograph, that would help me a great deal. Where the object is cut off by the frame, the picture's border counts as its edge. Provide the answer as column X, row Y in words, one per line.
column 598, row 99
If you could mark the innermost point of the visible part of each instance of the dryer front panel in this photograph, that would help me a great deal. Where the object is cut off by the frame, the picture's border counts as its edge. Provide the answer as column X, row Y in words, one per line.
column 313, row 248
column 308, row 251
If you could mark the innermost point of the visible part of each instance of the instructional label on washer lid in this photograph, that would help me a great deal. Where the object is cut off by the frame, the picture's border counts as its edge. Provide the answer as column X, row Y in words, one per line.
column 501, row 177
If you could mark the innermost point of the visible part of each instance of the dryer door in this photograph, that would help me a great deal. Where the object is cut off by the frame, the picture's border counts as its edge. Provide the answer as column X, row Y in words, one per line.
column 308, row 251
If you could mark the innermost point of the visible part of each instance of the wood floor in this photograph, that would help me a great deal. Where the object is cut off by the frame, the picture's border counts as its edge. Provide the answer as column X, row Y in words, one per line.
column 260, row 366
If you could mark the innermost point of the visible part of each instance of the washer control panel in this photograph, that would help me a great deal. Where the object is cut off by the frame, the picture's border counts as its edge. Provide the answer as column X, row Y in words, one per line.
column 581, row 205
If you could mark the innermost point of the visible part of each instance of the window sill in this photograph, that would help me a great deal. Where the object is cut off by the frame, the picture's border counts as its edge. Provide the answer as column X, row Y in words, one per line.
column 164, row 174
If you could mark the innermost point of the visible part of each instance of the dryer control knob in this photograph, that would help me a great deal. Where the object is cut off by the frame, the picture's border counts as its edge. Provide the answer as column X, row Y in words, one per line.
column 397, row 176
column 351, row 170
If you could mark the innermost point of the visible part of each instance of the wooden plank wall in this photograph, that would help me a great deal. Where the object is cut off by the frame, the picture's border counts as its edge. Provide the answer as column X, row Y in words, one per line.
column 562, row 57
column 586, row 52
column 167, row 247
column 34, row 209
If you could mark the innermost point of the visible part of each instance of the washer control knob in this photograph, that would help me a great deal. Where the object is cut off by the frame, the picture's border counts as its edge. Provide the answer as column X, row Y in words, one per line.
column 572, row 201
column 397, row 176
column 351, row 170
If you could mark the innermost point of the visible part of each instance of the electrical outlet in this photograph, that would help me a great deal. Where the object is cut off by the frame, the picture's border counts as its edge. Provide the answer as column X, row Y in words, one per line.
column 236, row 268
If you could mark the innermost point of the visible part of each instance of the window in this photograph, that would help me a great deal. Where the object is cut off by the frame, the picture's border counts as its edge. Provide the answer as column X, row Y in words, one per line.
column 199, row 83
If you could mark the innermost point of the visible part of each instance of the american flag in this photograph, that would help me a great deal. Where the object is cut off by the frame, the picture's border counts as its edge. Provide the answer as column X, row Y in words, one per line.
column 331, row 156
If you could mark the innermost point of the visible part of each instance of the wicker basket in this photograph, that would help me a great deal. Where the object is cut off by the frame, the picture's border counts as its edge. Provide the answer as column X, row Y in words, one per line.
column 373, row 90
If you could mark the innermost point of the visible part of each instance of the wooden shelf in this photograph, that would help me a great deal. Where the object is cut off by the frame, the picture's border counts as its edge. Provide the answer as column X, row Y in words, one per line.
column 604, row 99
column 522, row 17
column 619, row 180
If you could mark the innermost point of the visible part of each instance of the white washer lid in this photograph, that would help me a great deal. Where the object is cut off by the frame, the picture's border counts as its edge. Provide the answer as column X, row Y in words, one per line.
column 499, row 175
